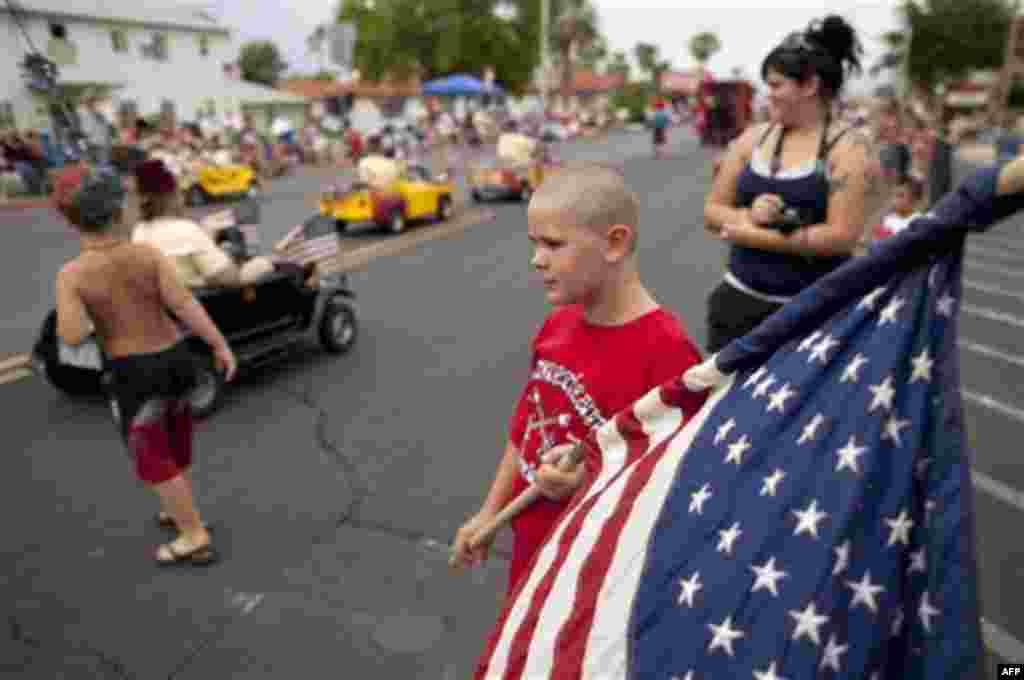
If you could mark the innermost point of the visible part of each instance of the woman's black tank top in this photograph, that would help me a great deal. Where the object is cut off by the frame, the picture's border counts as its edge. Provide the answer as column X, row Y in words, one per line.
column 805, row 190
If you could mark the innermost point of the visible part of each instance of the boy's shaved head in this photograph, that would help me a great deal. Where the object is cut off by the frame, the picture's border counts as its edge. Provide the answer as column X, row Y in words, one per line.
column 588, row 195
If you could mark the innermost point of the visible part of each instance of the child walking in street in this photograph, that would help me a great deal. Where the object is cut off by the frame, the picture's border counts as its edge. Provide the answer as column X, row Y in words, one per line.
column 605, row 345
column 124, row 292
column 660, row 123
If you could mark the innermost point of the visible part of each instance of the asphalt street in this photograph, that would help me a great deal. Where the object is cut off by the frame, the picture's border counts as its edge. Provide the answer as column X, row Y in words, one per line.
column 334, row 483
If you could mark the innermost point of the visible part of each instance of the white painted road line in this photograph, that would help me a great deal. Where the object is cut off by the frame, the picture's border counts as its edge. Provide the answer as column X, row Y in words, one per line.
column 993, row 269
column 999, row 254
column 1000, row 491
column 992, row 315
column 990, row 240
column 992, row 290
column 988, row 402
column 1001, row 642
column 990, row 352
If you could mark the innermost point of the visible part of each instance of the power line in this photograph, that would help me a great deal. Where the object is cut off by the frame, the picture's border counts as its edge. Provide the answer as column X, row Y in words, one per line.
column 16, row 14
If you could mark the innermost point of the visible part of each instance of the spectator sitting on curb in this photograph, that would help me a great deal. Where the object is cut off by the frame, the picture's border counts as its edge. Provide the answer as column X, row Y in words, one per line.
column 26, row 159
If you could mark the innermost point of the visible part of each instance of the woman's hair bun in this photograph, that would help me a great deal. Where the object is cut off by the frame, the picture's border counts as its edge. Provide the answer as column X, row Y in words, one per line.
column 837, row 36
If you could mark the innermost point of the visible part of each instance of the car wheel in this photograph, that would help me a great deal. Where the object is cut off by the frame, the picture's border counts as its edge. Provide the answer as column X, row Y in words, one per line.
column 208, row 393
column 526, row 193
column 397, row 224
column 253, row 191
column 340, row 226
column 195, row 196
column 338, row 327
column 475, row 195
column 445, row 209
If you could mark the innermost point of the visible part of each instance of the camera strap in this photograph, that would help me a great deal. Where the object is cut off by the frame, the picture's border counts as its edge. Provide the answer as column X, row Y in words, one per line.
column 823, row 145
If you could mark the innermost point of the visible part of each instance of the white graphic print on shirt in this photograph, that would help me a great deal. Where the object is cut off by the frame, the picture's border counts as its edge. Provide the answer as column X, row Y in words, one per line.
column 552, row 428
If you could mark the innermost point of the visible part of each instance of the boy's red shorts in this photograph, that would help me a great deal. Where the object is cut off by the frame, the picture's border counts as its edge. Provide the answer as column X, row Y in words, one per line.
column 160, row 440
column 149, row 394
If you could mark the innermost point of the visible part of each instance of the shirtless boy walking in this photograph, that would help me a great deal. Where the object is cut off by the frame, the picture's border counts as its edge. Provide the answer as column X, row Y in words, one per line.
column 124, row 292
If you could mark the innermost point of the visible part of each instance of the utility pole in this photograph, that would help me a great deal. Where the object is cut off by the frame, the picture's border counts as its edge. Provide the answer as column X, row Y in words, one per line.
column 545, row 10
column 1013, row 66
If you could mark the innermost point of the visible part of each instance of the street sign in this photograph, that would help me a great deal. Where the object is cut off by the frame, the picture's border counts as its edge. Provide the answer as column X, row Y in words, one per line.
column 341, row 40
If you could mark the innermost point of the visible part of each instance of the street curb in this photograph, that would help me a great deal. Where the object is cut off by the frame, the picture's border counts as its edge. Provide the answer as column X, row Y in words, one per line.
column 11, row 205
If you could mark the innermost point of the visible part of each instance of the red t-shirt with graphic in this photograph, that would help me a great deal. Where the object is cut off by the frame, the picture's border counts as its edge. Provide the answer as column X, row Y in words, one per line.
column 581, row 375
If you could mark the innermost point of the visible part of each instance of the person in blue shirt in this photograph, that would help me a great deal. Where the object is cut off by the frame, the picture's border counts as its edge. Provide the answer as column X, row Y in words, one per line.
column 660, row 124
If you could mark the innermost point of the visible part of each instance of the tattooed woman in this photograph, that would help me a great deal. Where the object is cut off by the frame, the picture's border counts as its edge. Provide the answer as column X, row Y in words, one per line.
column 793, row 195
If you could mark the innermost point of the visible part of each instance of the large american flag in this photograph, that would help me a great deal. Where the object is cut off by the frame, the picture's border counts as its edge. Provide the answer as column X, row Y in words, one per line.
column 812, row 519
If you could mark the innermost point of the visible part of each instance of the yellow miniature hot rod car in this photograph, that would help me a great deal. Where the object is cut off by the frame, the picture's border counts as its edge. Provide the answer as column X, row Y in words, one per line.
column 496, row 179
column 519, row 168
column 213, row 182
column 389, row 194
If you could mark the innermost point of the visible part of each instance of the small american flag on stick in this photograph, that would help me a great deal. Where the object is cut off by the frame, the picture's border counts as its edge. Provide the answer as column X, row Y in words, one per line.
column 313, row 241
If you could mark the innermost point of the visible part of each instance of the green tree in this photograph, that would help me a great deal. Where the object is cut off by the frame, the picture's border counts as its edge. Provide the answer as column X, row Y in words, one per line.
column 895, row 54
column 315, row 41
column 260, row 62
column 634, row 97
column 945, row 40
column 594, row 53
column 430, row 38
column 575, row 28
column 648, row 57
column 703, row 46
column 619, row 63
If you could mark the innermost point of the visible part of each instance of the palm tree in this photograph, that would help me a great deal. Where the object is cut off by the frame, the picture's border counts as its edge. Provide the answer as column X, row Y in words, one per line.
column 703, row 46
column 648, row 57
column 895, row 54
column 315, row 44
column 593, row 53
column 575, row 28
column 618, row 64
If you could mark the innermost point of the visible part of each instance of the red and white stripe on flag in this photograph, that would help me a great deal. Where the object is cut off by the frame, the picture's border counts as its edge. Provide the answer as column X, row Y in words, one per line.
column 252, row 236
column 295, row 248
column 583, row 631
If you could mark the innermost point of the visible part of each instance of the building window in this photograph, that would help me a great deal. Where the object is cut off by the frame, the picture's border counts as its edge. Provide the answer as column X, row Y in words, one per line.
column 204, row 45
column 60, row 49
column 156, row 48
column 118, row 40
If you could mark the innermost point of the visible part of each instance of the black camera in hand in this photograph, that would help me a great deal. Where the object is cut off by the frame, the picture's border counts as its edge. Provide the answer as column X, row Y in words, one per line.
column 790, row 221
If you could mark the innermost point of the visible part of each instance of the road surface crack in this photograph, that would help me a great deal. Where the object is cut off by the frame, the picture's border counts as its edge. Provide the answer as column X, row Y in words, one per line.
column 19, row 635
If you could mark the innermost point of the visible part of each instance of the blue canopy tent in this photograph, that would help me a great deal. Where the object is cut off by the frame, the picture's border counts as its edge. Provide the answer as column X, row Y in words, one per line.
column 460, row 85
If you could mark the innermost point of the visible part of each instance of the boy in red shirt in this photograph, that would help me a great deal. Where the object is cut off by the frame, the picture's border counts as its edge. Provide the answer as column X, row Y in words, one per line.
column 606, row 344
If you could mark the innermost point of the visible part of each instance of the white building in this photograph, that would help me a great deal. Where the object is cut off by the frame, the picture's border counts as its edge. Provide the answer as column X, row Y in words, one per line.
column 146, row 52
